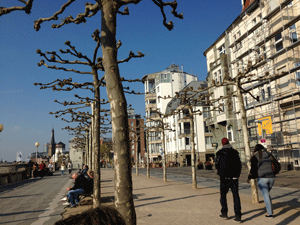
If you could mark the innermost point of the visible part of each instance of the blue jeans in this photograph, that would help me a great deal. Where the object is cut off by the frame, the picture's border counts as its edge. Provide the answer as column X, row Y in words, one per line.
column 233, row 184
column 265, row 185
column 73, row 196
column 62, row 172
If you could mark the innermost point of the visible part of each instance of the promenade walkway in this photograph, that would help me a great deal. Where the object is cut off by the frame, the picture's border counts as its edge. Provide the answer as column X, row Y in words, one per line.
column 176, row 203
column 33, row 201
column 36, row 201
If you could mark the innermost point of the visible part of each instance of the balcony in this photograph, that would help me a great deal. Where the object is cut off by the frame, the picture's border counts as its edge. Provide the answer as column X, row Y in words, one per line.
column 184, row 119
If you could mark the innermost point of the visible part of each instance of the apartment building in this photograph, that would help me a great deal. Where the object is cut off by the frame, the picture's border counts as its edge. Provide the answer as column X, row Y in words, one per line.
column 160, row 87
column 265, row 34
column 137, row 136
column 178, row 139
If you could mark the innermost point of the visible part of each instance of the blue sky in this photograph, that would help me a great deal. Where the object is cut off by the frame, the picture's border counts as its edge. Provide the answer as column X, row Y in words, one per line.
column 24, row 108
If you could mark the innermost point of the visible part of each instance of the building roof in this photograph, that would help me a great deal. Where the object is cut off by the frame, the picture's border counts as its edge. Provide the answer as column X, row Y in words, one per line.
column 246, row 4
column 175, row 102
column 171, row 68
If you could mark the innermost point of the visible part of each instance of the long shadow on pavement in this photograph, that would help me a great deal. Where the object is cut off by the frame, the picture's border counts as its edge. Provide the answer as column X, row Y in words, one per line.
column 285, row 207
column 11, row 186
column 171, row 200
column 23, row 220
column 18, row 196
column 16, row 213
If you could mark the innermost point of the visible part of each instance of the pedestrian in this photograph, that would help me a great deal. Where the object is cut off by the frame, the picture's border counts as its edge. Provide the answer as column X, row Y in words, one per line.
column 35, row 170
column 228, row 165
column 42, row 169
column 261, row 168
column 50, row 167
column 62, row 168
column 69, row 167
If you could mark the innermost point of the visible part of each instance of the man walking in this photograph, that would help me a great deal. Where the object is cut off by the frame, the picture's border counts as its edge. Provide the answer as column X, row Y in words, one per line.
column 228, row 165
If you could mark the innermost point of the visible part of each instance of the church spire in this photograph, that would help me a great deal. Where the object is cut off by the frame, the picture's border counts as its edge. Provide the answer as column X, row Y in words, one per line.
column 52, row 142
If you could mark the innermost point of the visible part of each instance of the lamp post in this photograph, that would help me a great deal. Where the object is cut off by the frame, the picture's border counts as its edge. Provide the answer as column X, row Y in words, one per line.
column 37, row 146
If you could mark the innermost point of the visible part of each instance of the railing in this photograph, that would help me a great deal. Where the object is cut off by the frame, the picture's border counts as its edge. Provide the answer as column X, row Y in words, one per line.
column 10, row 173
column 185, row 131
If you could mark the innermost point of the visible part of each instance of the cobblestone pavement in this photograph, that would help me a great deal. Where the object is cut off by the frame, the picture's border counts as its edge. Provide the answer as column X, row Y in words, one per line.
column 286, row 188
column 288, row 179
column 33, row 201
column 176, row 203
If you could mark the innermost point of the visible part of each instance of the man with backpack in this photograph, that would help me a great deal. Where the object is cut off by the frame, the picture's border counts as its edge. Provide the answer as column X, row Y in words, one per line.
column 228, row 165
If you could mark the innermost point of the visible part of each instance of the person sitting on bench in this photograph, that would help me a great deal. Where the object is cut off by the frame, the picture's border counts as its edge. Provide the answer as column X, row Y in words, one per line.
column 74, row 192
column 90, row 182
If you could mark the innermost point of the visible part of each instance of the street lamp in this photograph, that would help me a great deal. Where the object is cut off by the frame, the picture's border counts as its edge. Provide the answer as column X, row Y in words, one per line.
column 37, row 146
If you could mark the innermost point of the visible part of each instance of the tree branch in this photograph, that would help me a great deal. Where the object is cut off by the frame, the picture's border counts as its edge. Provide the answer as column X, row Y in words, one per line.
column 37, row 23
column 26, row 8
column 161, row 5
column 90, row 10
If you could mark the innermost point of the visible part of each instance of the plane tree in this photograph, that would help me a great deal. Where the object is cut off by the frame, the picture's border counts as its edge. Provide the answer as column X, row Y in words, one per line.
column 108, row 21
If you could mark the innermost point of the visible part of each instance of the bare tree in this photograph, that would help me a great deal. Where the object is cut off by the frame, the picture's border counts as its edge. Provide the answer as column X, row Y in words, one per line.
column 109, row 10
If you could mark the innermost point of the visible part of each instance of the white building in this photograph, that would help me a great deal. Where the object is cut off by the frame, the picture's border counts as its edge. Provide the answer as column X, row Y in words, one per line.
column 76, row 156
column 157, row 86
column 178, row 141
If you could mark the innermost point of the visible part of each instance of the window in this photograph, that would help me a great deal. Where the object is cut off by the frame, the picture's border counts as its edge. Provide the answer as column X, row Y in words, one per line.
column 278, row 42
column 187, row 141
column 297, row 73
column 229, row 133
column 222, row 50
column 246, row 101
column 152, row 101
column 238, row 33
column 206, row 128
column 253, row 21
column 269, row 92
column 208, row 140
column 206, row 112
column 259, row 17
column 293, row 34
column 220, row 75
column 157, row 88
column 216, row 77
column 263, row 94
column 158, row 100
column 152, row 86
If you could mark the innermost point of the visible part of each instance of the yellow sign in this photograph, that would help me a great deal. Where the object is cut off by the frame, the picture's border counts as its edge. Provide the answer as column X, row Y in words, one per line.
column 265, row 125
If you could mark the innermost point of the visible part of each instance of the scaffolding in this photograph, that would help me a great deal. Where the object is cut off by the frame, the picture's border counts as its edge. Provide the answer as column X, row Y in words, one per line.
column 268, row 34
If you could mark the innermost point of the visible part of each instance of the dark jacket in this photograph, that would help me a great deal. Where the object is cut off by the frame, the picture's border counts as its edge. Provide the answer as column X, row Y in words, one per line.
column 228, row 163
column 84, row 172
column 80, row 183
column 89, row 186
column 261, row 166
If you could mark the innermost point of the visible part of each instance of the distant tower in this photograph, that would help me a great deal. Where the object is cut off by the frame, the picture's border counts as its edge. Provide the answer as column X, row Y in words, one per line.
column 51, row 149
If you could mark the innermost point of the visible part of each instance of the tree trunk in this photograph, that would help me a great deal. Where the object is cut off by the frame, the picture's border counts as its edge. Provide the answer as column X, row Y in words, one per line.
column 136, row 157
column 164, row 153
column 148, row 160
column 254, row 192
column 87, row 147
column 93, row 136
column 90, row 147
column 194, row 179
column 119, row 118
column 96, row 142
